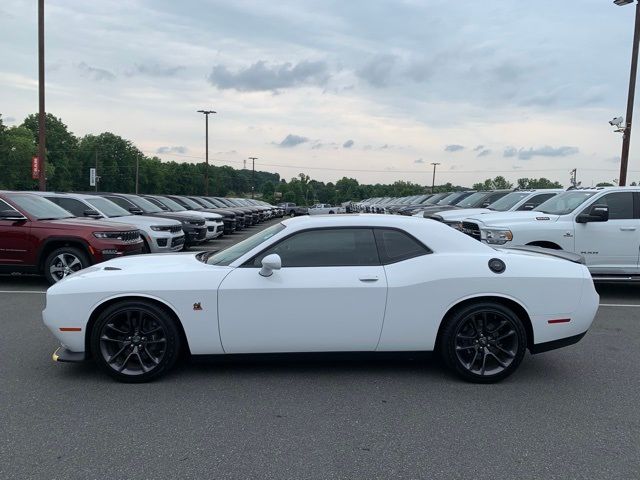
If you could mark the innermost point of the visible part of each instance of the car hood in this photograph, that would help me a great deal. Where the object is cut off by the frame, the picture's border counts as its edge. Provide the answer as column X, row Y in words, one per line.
column 202, row 215
column 462, row 213
column 144, row 221
column 82, row 224
column 505, row 219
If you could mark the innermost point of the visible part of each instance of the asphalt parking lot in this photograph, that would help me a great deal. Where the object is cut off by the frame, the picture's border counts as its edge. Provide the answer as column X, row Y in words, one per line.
column 571, row 413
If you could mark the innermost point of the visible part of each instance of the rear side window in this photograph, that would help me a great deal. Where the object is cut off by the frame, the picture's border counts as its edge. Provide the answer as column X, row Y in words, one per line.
column 396, row 246
column 339, row 247
column 70, row 205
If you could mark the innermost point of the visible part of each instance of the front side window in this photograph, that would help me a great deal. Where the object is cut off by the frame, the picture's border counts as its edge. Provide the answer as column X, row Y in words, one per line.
column 331, row 247
column 536, row 200
column 620, row 205
column 145, row 205
column 108, row 208
column 396, row 246
column 122, row 202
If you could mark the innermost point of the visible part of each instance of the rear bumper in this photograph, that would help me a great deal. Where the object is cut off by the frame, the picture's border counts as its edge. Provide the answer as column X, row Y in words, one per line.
column 64, row 355
column 563, row 342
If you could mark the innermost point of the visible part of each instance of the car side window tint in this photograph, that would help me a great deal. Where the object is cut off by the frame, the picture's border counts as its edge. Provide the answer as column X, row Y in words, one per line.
column 620, row 205
column 339, row 247
column 535, row 201
column 5, row 206
column 70, row 205
column 126, row 204
column 396, row 246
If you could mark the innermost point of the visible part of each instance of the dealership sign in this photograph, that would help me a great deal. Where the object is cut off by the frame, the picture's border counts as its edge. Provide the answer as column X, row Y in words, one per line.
column 35, row 168
column 92, row 177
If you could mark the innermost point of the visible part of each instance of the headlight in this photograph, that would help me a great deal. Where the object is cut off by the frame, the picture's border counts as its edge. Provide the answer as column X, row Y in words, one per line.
column 161, row 228
column 496, row 236
column 456, row 225
column 124, row 236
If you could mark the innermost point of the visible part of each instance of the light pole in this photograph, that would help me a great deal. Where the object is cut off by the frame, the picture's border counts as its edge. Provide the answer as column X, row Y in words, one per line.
column 253, row 174
column 206, row 149
column 42, row 137
column 433, row 180
column 626, row 135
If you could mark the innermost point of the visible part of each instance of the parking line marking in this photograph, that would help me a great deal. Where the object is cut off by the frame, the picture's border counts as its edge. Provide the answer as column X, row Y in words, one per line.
column 619, row 305
column 23, row 291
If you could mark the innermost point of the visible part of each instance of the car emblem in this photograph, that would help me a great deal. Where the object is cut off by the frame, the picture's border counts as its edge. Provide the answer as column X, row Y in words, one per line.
column 197, row 306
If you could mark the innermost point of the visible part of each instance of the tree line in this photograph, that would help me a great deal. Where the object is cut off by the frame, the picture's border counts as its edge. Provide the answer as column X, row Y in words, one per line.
column 70, row 157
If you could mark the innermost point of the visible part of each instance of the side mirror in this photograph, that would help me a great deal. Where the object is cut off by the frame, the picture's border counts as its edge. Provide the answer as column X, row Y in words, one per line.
column 92, row 213
column 527, row 206
column 12, row 215
column 135, row 211
column 485, row 204
column 269, row 264
column 597, row 213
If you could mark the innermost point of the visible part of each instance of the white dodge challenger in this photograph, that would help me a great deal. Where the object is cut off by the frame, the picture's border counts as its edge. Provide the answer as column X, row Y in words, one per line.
column 338, row 283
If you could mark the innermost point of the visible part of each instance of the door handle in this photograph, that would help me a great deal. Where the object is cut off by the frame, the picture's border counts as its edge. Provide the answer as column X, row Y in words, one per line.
column 627, row 229
column 368, row 279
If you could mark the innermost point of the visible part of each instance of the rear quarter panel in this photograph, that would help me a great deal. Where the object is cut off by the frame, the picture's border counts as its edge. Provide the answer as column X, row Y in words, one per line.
column 422, row 290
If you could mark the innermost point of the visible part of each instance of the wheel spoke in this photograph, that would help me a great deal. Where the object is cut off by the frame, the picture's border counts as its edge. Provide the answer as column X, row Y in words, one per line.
column 153, row 330
column 158, row 340
column 108, row 339
column 502, row 364
column 506, row 352
column 153, row 359
column 116, row 355
column 508, row 334
column 145, row 369
column 473, row 360
column 112, row 327
column 484, row 361
column 502, row 324
column 465, row 348
column 75, row 262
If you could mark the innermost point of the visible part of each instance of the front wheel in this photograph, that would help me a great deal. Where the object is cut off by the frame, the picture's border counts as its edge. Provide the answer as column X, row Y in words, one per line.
column 64, row 261
column 483, row 343
column 292, row 214
column 135, row 341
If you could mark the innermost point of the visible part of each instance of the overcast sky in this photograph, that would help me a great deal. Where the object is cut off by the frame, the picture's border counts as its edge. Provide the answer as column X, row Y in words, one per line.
column 376, row 90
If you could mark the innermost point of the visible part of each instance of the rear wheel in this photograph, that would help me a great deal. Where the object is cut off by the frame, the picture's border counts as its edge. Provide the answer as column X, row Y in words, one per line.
column 64, row 261
column 483, row 343
column 135, row 341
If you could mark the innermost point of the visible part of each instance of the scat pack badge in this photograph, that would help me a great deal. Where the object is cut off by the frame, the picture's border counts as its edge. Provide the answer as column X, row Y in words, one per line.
column 197, row 306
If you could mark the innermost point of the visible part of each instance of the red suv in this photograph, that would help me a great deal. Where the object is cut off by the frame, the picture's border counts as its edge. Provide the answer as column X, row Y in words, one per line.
column 37, row 236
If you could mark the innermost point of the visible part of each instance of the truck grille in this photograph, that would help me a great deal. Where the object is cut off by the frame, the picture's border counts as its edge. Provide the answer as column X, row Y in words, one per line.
column 175, row 228
column 197, row 223
column 471, row 229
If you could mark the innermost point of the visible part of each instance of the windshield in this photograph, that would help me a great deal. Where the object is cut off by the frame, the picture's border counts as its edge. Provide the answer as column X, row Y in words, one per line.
column 471, row 200
column 38, row 207
column 452, row 199
column 564, row 203
column 231, row 254
column 509, row 201
column 144, row 204
column 107, row 207
column 207, row 203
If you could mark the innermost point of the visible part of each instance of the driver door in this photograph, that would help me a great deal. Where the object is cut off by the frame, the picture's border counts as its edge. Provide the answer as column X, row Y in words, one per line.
column 611, row 247
column 14, row 237
column 329, row 295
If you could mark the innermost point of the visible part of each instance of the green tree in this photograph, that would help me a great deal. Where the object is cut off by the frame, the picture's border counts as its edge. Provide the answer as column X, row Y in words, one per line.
column 498, row 183
column 605, row 184
column 530, row 183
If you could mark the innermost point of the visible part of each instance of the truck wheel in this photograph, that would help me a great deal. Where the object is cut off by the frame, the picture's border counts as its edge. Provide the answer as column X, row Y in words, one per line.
column 292, row 214
column 64, row 261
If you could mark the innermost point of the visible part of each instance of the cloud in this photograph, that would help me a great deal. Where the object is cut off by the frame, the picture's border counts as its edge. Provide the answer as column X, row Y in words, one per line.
column 173, row 149
column 483, row 153
column 154, row 70
column 292, row 141
column 96, row 74
column 377, row 71
column 420, row 160
column 453, row 148
column 478, row 148
column 612, row 160
column 348, row 144
column 546, row 151
column 264, row 77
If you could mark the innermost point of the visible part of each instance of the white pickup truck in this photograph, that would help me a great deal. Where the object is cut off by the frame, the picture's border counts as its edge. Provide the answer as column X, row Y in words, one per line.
column 601, row 224
column 324, row 209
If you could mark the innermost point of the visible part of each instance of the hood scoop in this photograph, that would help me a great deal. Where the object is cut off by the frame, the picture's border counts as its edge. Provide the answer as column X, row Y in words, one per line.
column 111, row 268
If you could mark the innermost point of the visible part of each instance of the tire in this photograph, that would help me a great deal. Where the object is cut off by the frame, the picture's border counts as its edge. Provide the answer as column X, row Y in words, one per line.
column 331, row 212
column 135, row 341
column 483, row 343
column 292, row 214
column 64, row 261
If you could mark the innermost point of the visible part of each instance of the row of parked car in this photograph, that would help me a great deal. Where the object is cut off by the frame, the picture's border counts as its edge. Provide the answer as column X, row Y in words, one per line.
column 601, row 225
column 56, row 234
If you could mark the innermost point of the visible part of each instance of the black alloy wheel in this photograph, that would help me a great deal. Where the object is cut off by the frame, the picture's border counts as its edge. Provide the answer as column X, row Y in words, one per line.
column 135, row 341
column 484, row 343
column 63, row 262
